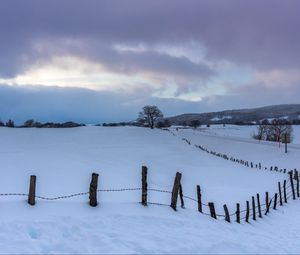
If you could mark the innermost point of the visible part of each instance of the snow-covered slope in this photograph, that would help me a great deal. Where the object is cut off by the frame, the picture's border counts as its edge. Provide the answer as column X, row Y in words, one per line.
column 63, row 160
column 235, row 131
column 236, row 141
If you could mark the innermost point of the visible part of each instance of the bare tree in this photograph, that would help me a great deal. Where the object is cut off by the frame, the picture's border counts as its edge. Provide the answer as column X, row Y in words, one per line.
column 195, row 123
column 29, row 123
column 277, row 130
column 149, row 115
column 10, row 123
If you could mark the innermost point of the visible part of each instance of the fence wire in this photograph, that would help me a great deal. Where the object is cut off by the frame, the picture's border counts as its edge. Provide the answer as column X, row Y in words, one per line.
column 243, row 213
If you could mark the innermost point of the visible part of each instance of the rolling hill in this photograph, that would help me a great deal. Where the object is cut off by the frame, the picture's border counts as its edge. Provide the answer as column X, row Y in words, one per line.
column 287, row 111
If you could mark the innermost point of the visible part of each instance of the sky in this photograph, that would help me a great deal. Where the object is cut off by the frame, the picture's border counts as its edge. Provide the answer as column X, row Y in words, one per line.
column 99, row 61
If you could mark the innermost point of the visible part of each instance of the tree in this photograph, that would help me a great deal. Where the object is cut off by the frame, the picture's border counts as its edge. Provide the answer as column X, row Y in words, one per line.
column 29, row 123
column 276, row 131
column 163, row 124
column 10, row 124
column 195, row 123
column 149, row 115
column 182, row 123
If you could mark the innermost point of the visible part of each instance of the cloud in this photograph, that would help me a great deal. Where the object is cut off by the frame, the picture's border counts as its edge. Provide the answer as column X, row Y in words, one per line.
column 222, row 53
column 83, row 105
column 262, row 34
column 77, row 104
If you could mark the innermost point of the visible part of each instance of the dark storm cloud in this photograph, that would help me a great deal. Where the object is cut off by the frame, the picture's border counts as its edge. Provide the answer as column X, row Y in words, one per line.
column 263, row 34
column 152, row 61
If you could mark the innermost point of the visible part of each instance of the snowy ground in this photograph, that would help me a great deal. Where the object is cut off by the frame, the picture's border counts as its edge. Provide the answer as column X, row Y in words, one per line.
column 63, row 160
column 236, row 141
column 235, row 131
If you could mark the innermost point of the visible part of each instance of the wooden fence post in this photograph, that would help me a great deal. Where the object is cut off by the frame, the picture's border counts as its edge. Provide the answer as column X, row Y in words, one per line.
column 297, row 183
column 258, row 205
column 175, row 191
column 280, row 195
column 199, row 199
column 212, row 210
column 93, row 190
column 253, row 208
column 275, row 201
column 284, row 191
column 227, row 216
column 292, row 184
column 238, row 218
column 32, row 188
column 247, row 211
column 144, row 185
column 285, row 142
column 181, row 196
column 267, row 203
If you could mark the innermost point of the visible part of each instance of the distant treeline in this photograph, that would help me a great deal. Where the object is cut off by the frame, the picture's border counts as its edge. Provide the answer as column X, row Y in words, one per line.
column 238, row 123
column 159, row 124
column 162, row 123
column 36, row 124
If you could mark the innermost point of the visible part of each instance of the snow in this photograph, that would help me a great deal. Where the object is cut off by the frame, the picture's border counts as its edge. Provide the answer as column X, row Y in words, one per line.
column 236, row 131
column 63, row 160
column 217, row 118
column 235, row 138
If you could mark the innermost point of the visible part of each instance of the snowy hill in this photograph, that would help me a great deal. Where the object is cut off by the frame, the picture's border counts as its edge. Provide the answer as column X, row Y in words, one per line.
column 287, row 111
column 63, row 160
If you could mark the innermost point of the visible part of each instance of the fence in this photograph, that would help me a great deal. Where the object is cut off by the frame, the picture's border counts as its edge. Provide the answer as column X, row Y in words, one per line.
column 224, row 156
column 254, row 209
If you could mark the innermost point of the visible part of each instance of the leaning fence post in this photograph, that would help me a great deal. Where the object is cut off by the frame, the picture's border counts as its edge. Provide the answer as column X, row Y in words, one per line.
column 253, row 208
column 284, row 191
column 258, row 204
column 267, row 203
column 247, row 211
column 144, row 185
column 280, row 195
column 199, row 198
column 275, row 201
column 238, row 219
column 212, row 210
column 93, row 190
column 32, row 187
column 292, row 184
column 175, row 191
column 227, row 216
column 181, row 196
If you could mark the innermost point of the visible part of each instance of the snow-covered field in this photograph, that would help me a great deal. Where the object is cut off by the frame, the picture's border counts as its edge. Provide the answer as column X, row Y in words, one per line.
column 63, row 160
column 242, row 131
column 236, row 141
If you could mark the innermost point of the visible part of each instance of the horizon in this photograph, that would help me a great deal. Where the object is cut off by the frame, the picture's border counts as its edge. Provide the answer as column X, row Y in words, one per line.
column 20, row 123
column 102, row 61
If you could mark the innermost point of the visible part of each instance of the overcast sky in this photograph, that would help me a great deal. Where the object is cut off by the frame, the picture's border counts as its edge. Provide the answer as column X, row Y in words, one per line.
column 96, row 61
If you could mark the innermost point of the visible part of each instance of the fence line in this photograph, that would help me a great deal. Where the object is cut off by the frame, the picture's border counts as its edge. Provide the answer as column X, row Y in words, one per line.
column 291, row 191
column 243, row 162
